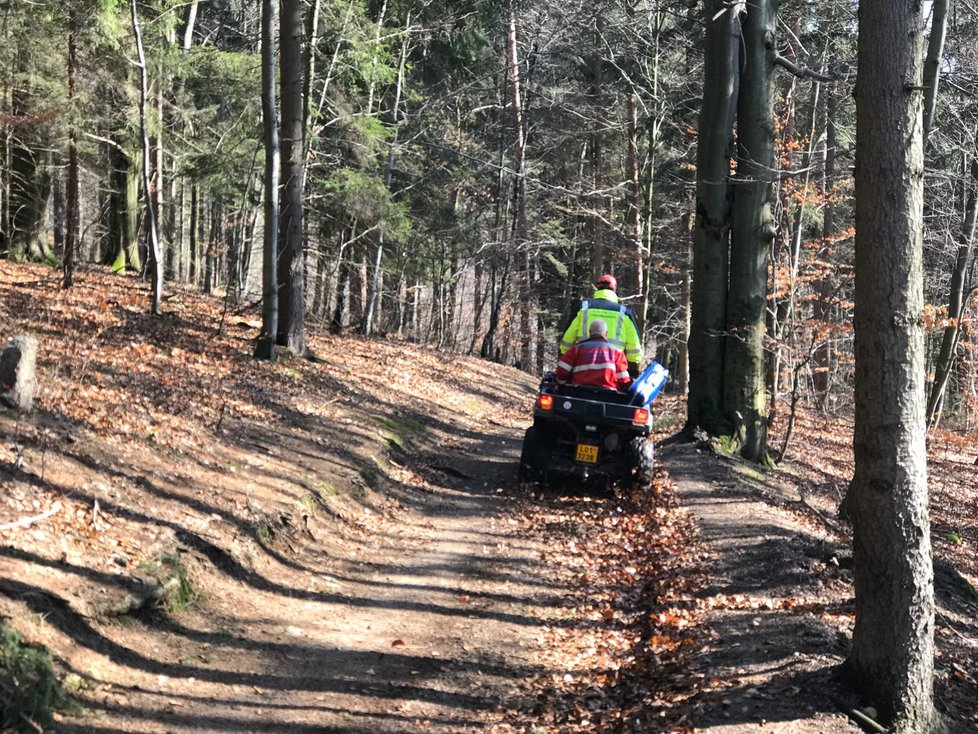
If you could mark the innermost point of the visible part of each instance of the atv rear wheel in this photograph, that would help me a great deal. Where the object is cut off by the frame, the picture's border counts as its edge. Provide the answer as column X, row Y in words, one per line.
column 534, row 456
column 641, row 451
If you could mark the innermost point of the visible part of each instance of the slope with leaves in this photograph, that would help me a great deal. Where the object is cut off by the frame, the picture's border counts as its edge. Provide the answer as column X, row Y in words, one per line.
column 188, row 529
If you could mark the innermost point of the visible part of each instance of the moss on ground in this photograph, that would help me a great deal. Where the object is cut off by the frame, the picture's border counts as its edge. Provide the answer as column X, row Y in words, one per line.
column 29, row 688
column 178, row 589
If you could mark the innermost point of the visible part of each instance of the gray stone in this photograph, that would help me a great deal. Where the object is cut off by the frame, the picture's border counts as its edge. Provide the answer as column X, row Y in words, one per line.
column 17, row 378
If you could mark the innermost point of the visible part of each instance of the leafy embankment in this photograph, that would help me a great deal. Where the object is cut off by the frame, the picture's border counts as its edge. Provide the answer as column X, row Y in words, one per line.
column 810, row 486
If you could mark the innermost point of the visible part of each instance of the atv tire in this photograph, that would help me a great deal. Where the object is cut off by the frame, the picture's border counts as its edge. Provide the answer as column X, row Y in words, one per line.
column 529, row 459
column 534, row 456
column 641, row 451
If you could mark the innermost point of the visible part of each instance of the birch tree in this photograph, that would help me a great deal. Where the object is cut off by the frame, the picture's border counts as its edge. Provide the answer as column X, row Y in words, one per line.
column 152, row 232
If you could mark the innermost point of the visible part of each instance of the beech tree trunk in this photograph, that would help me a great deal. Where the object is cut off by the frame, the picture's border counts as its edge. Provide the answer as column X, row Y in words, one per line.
column 892, row 652
column 751, row 236
column 932, row 64
column 822, row 306
column 711, row 232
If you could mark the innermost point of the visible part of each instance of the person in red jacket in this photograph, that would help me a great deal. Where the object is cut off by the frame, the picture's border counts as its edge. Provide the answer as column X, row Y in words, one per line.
column 594, row 361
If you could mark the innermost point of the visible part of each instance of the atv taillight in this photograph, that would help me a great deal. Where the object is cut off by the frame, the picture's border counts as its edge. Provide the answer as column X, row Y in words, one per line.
column 640, row 417
column 546, row 402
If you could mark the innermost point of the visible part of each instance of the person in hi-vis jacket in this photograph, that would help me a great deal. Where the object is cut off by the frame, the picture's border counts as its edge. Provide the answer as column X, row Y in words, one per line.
column 622, row 327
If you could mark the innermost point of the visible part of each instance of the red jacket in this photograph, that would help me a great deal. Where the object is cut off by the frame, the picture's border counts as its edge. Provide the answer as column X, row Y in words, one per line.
column 593, row 362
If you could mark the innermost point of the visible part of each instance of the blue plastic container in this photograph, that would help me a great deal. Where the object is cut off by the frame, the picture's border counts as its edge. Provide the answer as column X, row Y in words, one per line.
column 648, row 384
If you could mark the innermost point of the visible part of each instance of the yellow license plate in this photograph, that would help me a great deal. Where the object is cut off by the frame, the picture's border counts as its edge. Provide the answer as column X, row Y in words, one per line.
column 587, row 453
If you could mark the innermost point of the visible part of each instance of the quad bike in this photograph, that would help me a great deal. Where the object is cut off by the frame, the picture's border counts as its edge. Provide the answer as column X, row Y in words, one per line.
column 592, row 433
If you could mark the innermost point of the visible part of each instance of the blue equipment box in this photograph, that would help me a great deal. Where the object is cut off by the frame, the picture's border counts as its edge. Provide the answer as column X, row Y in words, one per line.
column 648, row 384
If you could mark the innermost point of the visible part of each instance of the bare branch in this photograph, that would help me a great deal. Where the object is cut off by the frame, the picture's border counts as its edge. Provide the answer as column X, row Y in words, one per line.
column 28, row 521
column 802, row 72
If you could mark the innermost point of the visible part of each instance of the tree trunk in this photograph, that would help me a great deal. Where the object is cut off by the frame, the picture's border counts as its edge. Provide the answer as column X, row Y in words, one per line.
column 309, row 77
column 171, row 217
column 155, row 249
column 497, row 291
column 233, row 242
column 320, row 301
column 932, row 64
column 210, row 251
column 519, row 187
column 358, row 282
column 5, row 172
column 30, row 188
column 783, row 316
column 822, row 306
column 956, row 304
column 599, row 256
column 188, row 28
column 158, row 179
column 58, row 207
column 193, row 244
column 712, row 227
column 488, row 345
column 751, row 236
column 634, row 220
column 682, row 368
column 181, row 242
column 478, row 305
column 376, row 277
column 341, row 310
column 72, row 216
column 292, row 302
column 893, row 641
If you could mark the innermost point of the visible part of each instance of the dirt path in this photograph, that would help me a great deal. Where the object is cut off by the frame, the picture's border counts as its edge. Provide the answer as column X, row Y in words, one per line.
column 430, row 615
column 434, row 616
column 773, row 650
column 427, row 624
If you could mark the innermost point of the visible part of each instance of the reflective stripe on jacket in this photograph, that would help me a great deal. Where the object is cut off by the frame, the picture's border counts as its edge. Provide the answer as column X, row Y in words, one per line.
column 622, row 331
column 593, row 362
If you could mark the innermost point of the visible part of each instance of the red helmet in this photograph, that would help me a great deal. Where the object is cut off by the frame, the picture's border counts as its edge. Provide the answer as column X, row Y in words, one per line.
column 607, row 281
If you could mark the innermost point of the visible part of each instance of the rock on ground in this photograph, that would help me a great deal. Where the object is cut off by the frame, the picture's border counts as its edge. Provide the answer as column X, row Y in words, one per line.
column 17, row 378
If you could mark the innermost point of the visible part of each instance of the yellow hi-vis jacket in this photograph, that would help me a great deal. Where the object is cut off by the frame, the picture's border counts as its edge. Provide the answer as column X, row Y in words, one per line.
column 622, row 332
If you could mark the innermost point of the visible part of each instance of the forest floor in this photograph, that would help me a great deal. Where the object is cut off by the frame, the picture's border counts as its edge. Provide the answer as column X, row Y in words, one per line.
column 211, row 544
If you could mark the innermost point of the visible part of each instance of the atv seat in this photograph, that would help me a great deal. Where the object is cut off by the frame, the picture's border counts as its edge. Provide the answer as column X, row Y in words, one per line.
column 587, row 392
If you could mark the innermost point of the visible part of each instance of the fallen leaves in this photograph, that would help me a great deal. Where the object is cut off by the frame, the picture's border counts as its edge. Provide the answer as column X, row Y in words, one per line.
column 624, row 647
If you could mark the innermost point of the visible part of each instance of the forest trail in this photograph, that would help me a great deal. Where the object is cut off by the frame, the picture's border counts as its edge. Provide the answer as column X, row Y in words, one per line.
column 774, row 635
column 344, row 546
column 430, row 626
